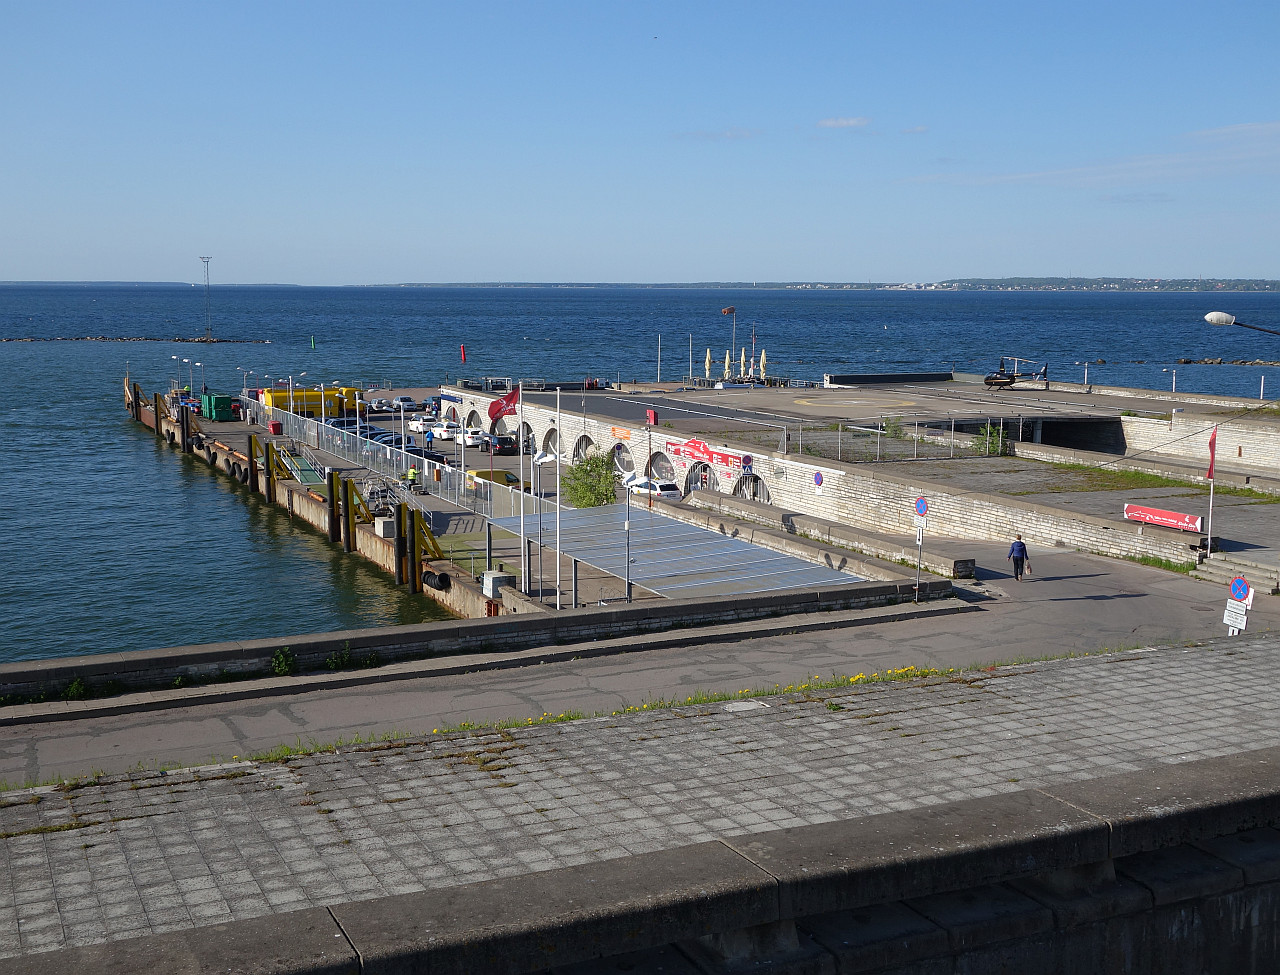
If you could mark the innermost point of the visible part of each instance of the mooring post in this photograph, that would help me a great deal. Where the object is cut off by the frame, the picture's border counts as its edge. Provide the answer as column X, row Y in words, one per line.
column 402, row 522
column 348, row 518
column 137, row 403
column 269, row 462
column 335, row 527
column 488, row 545
column 155, row 405
column 253, row 463
column 415, row 546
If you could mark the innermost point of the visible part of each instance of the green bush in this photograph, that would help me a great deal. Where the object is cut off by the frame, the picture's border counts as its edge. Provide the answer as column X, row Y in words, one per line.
column 283, row 662
column 591, row 481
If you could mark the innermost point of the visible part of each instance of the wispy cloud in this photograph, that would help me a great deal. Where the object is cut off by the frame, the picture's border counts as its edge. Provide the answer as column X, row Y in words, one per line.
column 725, row 135
column 915, row 130
column 1136, row 199
column 1233, row 149
column 843, row 123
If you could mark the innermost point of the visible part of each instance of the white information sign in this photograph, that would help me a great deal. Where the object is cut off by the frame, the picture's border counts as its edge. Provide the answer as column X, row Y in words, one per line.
column 920, row 521
column 1234, row 619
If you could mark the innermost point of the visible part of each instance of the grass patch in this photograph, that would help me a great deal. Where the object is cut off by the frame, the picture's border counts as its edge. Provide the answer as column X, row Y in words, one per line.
column 1110, row 479
column 1157, row 563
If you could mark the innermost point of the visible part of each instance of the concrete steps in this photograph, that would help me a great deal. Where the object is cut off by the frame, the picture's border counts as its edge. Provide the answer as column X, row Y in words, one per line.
column 1222, row 568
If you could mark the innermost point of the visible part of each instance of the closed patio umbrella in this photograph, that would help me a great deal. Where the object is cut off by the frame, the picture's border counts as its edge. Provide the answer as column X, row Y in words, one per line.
column 762, row 363
column 726, row 363
column 708, row 363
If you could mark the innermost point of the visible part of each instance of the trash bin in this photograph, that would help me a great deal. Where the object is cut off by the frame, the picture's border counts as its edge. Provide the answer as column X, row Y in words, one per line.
column 275, row 426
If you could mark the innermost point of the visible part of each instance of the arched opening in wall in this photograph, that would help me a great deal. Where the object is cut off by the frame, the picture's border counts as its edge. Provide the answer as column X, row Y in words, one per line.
column 623, row 462
column 503, row 425
column 530, row 439
column 551, row 442
column 451, row 414
column 751, row 487
column 660, row 467
column 583, row 447
column 702, row 477
column 474, row 419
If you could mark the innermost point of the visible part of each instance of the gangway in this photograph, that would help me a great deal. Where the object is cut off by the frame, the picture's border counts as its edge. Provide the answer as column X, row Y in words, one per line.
column 302, row 468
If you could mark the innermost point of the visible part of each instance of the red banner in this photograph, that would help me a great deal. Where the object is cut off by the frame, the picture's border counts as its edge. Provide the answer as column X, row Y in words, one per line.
column 505, row 405
column 1158, row 516
column 699, row 450
column 1213, row 449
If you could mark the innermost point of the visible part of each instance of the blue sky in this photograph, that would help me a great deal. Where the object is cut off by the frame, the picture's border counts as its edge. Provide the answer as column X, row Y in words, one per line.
column 327, row 143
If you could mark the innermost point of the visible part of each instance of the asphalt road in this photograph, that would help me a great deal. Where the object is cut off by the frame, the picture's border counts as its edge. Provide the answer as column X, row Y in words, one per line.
column 1073, row 603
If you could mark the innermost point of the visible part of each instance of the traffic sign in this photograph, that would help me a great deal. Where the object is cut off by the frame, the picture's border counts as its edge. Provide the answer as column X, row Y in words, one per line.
column 920, row 521
column 1240, row 588
column 1237, row 606
column 922, row 507
column 919, row 535
column 1234, row 619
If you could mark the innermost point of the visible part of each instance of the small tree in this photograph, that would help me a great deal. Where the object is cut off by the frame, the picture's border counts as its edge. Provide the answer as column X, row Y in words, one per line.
column 590, row 482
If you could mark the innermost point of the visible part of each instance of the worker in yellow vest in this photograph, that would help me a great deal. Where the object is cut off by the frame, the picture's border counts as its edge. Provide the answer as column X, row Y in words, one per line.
column 412, row 477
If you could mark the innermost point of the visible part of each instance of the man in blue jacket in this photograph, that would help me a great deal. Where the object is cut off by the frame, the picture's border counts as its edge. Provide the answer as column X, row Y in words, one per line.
column 1019, row 557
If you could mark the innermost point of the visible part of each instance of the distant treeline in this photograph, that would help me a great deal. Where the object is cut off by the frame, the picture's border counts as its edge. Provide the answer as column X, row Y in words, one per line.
column 1111, row 284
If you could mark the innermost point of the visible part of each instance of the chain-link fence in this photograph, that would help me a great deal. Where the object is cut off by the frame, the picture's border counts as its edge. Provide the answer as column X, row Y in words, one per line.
column 892, row 438
column 381, row 472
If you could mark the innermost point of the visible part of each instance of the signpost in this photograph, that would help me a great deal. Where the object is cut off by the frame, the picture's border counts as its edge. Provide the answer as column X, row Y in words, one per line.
column 921, row 521
column 1236, row 616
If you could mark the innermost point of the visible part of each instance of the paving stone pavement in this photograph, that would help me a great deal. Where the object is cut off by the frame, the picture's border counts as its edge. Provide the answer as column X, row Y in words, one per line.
column 145, row 853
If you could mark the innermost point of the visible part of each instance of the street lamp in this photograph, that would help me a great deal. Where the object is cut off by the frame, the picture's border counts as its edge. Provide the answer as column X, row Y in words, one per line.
column 204, row 388
column 1222, row 318
column 191, row 372
column 1086, row 370
column 1175, row 377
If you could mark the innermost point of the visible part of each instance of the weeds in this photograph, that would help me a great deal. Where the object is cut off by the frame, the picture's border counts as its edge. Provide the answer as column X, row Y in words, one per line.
column 283, row 662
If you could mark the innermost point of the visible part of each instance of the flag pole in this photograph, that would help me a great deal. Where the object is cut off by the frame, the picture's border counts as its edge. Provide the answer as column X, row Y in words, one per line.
column 1213, row 449
column 524, row 545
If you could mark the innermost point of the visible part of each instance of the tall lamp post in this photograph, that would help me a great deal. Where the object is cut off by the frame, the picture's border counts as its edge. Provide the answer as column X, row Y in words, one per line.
column 1175, row 378
column 1222, row 318
column 177, row 362
column 191, row 374
column 204, row 388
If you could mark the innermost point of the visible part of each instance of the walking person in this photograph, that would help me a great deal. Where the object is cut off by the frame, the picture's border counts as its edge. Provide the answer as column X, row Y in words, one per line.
column 1019, row 557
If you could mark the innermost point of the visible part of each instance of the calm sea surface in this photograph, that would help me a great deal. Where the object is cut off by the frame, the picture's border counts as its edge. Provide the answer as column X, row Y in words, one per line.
column 113, row 543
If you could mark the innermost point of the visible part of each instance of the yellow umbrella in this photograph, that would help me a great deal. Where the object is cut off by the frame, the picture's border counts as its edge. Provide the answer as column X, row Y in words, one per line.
column 726, row 363
column 762, row 363
column 742, row 362
column 708, row 363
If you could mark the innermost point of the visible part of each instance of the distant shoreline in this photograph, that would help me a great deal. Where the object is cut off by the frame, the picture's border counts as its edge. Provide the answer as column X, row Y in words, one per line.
column 199, row 340
column 1115, row 285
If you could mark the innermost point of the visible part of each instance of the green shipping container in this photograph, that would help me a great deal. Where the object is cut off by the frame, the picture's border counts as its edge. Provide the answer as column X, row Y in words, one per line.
column 216, row 407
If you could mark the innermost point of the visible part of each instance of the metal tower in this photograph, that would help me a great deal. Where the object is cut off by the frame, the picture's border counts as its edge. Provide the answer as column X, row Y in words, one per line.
column 208, row 328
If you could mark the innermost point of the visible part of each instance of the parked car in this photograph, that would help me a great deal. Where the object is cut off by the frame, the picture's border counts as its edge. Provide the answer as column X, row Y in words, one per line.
column 432, row 455
column 404, row 402
column 380, row 406
column 647, row 487
column 420, row 424
column 444, row 429
column 505, row 478
column 501, row 445
column 474, row 437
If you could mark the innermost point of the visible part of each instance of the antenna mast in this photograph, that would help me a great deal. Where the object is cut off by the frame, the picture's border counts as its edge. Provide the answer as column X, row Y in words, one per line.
column 208, row 328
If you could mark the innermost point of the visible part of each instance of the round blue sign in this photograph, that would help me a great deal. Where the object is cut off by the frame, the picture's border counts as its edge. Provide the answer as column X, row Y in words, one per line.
column 817, row 478
column 1239, row 588
column 922, row 507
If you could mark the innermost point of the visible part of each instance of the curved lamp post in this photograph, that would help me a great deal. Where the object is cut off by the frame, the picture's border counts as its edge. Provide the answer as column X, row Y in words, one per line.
column 1222, row 318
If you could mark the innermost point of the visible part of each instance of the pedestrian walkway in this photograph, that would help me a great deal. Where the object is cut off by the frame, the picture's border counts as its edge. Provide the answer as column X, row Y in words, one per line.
column 122, row 856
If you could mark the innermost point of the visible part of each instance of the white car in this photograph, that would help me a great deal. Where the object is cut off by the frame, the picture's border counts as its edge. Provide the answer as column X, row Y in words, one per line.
column 420, row 424
column 655, row 489
column 445, row 430
column 405, row 402
column 474, row 437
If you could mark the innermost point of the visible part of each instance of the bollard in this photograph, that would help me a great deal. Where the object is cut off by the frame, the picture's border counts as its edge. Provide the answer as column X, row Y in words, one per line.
column 402, row 519
column 348, row 518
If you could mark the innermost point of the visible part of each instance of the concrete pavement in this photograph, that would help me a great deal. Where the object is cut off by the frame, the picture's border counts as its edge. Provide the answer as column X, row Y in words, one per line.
column 1072, row 603
column 143, row 854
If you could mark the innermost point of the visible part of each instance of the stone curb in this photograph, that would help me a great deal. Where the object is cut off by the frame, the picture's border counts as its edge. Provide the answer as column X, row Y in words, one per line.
column 142, row 701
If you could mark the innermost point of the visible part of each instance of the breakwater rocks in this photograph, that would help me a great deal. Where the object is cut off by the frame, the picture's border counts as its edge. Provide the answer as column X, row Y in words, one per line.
column 1227, row 362
column 199, row 340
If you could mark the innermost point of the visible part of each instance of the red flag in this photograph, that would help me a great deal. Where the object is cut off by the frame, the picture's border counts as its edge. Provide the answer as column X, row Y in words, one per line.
column 504, row 406
column 1213, row 447
column 728, row 311
column 464, row 353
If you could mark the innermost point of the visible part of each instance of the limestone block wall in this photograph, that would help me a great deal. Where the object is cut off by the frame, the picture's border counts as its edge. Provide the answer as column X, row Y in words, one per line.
column 1251, row 443
column 866, row 495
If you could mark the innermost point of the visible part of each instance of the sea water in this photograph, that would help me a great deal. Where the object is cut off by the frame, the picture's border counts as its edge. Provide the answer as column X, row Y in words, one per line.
column 113, row 542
